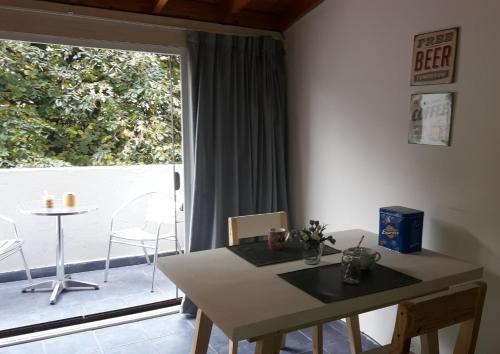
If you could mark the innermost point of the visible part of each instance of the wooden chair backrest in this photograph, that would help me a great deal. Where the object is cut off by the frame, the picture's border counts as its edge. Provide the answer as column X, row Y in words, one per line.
column 254, row 225
column 425, row 315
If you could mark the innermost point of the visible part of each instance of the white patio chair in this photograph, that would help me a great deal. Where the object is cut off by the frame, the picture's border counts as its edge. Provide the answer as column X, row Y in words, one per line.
column 13, row 245
column 155, row 220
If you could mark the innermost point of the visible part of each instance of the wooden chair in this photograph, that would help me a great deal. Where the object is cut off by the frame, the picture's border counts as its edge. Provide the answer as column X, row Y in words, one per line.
column 257, row 225
column 425, row 315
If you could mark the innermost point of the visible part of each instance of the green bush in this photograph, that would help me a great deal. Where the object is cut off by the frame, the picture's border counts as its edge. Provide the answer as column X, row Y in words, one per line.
column 76, row 106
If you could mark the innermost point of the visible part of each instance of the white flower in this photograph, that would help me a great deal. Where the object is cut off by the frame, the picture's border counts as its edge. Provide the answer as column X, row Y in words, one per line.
column 316, row 236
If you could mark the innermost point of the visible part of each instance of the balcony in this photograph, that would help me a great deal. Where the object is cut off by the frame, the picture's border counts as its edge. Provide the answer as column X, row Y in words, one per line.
column 85, row 242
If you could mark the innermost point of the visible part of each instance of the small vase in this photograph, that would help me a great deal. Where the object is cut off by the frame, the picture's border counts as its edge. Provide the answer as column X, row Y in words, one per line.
column 312, row 256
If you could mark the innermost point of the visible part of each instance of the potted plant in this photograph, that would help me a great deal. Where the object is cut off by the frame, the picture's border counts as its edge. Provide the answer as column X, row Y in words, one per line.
column 312, row 239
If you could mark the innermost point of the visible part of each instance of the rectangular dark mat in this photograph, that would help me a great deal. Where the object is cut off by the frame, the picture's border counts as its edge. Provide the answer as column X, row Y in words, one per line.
column 259, row 254
column 325, row 283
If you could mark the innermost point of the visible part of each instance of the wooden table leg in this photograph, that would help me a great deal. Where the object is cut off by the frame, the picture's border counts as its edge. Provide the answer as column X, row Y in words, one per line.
column 283, row 341
column 202, row 332
column 354, row 334
column 269, row 345
column 318, row 339
column 233, row 347
column 430, row 343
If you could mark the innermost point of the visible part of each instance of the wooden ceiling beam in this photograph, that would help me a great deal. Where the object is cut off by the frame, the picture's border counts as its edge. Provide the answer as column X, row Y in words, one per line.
column 159, row 6
column 211, row 12
column 254, row 19
column 140, row 6
column 229, row 9
column 235, row 6
column 275, row 15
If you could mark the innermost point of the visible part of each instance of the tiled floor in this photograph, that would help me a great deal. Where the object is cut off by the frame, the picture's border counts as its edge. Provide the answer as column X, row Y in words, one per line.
column 127, row 286
column 172, row 335
column 130, row 286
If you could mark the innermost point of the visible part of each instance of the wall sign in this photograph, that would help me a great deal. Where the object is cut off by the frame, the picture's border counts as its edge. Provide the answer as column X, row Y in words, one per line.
column 434, row 56
column 430, row 121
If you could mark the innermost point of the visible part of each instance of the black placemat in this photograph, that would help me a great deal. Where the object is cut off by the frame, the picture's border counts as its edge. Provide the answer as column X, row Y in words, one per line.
column 259, row 254
column 325, row 283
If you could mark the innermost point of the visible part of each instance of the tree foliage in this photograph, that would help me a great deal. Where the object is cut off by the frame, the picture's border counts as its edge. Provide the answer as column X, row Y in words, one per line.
column 75, row 106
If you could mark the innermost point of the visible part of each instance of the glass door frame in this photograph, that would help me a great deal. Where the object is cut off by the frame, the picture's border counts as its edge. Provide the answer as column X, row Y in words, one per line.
column 148, row 310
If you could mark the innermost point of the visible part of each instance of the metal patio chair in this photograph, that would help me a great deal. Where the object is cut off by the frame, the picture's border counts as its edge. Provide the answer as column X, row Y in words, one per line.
column 155, row 216
column 13, row 245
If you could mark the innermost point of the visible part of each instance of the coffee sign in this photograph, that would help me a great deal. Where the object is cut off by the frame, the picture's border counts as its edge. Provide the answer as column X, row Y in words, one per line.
column 434, row 56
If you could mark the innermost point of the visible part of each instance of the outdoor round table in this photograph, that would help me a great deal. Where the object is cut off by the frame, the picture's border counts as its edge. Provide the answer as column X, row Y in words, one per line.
column 62, row 282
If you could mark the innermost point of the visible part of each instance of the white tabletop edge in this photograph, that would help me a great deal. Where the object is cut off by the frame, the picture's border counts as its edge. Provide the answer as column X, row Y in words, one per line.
column 59, row 211
column 349, row 307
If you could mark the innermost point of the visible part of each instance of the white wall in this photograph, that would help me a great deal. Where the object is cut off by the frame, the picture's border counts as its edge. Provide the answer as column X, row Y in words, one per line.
column 349, row 93
column 86, row 236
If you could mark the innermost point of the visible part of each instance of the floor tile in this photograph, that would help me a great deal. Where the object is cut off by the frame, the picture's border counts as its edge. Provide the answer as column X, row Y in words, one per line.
column 13, row 300
column 127, row 286
column 335, row 339
column 54, row 312
column 144, row 297
column 78, row 343
column 173, row 334
column 120, row 335
column 175, row 324
column 8, row 321
column 130, row 286
column 102, row 305
column 244, row 347
column 143, row 347
column 296, row 342
column 339, row 326
column 174, row 344
column 218, row 340
column 28, row 348
column 339, row 346
column 19, row 284
column 368, row 343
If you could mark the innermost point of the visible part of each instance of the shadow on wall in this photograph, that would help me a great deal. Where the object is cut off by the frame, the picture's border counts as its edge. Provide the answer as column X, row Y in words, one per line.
column 458, row 242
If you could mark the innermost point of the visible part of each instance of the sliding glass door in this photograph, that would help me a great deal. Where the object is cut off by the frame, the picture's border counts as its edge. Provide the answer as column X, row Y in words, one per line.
column 104, row 127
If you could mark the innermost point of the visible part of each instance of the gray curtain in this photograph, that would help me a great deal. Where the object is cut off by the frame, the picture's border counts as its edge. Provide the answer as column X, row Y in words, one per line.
column 237, row 134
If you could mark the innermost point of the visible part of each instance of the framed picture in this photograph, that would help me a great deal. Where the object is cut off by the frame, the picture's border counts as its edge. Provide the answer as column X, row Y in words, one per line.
column 434, row 57
column 430, row 118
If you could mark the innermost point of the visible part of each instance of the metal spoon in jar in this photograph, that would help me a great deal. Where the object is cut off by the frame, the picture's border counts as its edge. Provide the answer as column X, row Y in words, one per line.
column 359, row 243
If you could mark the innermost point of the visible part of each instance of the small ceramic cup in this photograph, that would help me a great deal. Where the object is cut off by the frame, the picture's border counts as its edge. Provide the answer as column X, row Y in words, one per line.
column 69, row 200
column 48, row 201
column 276, row 238
column 367, row 256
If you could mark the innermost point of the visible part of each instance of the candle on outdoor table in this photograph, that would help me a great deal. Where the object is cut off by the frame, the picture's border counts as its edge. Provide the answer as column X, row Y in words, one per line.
column 69, row 199
column 48, row 201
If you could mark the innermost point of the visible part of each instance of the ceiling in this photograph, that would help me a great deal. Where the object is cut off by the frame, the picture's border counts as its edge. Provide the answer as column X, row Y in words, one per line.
column 276, row 15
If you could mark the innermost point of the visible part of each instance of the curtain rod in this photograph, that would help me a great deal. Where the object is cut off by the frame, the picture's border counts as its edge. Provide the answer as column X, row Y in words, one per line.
column 113, row 16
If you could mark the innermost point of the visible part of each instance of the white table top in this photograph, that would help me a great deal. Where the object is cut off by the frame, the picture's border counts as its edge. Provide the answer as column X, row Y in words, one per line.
column 57, row 211
column 248, row 302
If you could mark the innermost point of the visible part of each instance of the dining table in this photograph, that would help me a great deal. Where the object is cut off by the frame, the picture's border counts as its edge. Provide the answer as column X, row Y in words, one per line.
column 258, row 304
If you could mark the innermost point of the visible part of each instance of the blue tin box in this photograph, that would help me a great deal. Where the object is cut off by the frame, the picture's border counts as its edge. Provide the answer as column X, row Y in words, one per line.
column 401, row 229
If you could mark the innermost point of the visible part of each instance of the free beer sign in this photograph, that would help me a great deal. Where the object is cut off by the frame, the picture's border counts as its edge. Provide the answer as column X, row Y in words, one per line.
column 434, row 56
